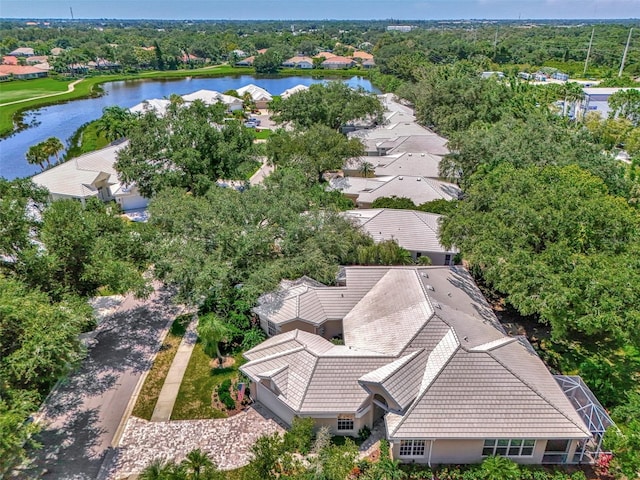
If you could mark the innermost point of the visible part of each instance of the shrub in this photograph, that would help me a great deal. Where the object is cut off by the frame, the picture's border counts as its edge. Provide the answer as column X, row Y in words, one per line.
column 364, row 433
column 299, row 437
column 224, row 394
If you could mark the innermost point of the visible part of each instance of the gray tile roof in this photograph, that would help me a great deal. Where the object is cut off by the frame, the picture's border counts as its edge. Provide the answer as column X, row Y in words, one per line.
column 413, row 230
column 427, row 337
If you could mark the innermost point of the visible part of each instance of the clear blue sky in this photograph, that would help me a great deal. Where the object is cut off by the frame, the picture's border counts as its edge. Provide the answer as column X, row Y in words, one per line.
column 321, row 9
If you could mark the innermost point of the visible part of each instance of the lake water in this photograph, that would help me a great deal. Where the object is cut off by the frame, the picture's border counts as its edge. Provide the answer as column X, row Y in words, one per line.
column 64, row 119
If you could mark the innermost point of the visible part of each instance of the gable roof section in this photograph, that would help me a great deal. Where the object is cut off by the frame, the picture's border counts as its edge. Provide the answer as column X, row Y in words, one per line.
column 418, row 189
column 256, row 92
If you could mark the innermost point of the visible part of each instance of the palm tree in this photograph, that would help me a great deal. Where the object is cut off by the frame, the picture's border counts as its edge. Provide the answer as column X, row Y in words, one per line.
column 212, row 330
column 36, row 155
column 196, row 463
column 572, row 93
column 366, row 169
column 159, row 470
column 52, row 147
column 388, row 469
column 500, row 468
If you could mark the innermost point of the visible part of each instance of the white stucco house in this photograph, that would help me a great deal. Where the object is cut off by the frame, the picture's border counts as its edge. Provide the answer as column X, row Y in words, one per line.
column 91, row 175
column 422, row 353
column 211, row 97
column 259, row 95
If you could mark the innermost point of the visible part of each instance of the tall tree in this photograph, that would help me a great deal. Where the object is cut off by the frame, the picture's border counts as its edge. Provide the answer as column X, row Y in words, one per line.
column 333, row 104
column 115, row 122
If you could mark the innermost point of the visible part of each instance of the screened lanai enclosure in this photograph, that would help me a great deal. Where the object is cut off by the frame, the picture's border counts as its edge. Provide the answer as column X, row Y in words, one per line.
column 592, row 412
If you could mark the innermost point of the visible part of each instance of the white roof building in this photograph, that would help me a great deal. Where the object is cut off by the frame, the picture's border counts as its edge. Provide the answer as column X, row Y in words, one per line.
column 211, row 97
column 364, row 191
column 157, row 105
column 91, row 175
column 257, row 93
column 290, row 91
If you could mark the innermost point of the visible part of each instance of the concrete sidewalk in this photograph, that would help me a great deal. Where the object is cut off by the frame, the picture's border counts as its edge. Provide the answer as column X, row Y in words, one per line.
column 169, row 392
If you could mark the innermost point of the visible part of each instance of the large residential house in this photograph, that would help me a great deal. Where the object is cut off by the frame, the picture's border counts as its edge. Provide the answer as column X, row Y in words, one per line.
column 211, row 97
column 91, row 175
column 408, row 163
column 337, row 62
column 290, row 91
column 423, row 353
column 22, row 52
column 20, row 72
column 304, row 63
column 364, row 191
column 259, row 95
column 156, row 105
column 246, row 62
column 415, row 231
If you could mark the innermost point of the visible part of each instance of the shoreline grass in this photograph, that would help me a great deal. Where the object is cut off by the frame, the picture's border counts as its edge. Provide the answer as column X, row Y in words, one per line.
column 148, row 397
column 11, row 115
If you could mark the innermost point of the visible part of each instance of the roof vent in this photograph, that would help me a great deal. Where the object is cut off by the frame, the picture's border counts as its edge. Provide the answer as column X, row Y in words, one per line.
column 438, row 306
column 422, row 154
column 430, row 287
column 411, row 154
column 400, row 178
column 418, row 179
column 449, row 293
column 425, row 275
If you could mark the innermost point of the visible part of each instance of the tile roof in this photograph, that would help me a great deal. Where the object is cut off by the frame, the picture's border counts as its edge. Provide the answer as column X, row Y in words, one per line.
column 257, row 93
column 290, row 91
column 412, row 229
column 417, row 189
column 75, row 177
column 427, row 338
column 19, row 69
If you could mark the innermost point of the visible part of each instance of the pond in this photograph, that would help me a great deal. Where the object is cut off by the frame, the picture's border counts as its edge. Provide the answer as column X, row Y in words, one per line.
column 64, row 119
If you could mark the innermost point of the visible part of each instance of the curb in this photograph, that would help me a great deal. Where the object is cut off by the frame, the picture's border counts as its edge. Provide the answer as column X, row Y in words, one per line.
column 115, row 442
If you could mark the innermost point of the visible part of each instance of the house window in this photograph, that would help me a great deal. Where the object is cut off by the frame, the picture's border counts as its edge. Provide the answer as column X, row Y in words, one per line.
column 447, row 259
column 514, row 447
column 271, row 329
column 345, row 423
column 412, row 448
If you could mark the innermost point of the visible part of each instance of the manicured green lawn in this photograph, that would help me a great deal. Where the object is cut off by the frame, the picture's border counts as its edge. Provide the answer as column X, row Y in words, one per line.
column 150, row 391
column 263, row 134
column 21, row 89
column 198, row 384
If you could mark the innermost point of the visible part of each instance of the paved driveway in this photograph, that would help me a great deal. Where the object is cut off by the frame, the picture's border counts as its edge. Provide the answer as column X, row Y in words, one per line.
column 82, row 415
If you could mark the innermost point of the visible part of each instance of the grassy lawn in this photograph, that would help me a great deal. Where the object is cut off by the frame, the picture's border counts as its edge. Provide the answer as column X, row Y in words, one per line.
column 263, row 134
column 155, row 379
column 198, row 384
column 85, row 140
column 21, row 89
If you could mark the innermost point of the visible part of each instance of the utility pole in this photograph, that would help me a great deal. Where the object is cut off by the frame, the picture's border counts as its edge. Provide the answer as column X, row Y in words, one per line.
column 586, row 62
column 495, row 45
column 624, row 55
column 71, row 10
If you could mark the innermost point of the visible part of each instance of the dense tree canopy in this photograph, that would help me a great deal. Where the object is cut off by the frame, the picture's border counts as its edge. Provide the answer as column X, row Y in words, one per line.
column 312, row 151
column 190, row 147
column 333, row 104
column 553, row 240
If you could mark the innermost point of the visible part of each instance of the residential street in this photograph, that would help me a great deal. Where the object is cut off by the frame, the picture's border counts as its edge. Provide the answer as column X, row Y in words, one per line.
column 82, row 416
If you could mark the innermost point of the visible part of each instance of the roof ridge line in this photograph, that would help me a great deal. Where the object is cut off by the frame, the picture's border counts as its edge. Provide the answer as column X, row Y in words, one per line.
column 534, row 390
column 415, row 354
column 306, row 389
column 422, row 394
column 275, row 355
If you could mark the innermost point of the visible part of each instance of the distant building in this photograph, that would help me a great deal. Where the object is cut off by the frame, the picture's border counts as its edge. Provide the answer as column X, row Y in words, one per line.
column 19, row 72
column 597, row 99
column 492, row 75
column 22, row 52
column 399, row 28
column 290, row 91
column 301, row 62
column 560, row 76
column 246, row 62
column 337, row 62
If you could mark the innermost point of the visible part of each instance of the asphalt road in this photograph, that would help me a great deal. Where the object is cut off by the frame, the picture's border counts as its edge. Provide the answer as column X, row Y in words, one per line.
column 82, row 415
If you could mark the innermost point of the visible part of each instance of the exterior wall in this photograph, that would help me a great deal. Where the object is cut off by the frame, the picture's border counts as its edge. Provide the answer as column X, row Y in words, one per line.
column 297, row 324
column 262, row 394
column 332, row 423
column 468, row 451
column 262, row 104
column 437, row 258
column 332, row 328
